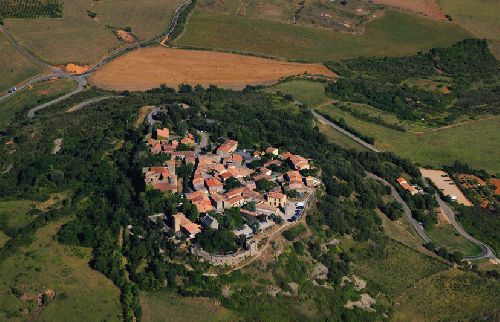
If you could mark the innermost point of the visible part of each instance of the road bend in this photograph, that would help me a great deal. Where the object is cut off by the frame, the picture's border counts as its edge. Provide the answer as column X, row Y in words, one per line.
column 486, row 251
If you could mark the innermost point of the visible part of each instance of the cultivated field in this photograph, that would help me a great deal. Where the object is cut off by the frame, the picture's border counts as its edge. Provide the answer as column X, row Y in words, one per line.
column 78, row 38
column 444, row 183
column 149, row 67
column 428, row 8
column 444, row 146
column 395, row 34
column 46, row 264
column 30, row 97
column 14, row 67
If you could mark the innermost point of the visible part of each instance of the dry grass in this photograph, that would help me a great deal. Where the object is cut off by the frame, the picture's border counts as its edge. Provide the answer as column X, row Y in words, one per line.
column 143, row 113
column 80, row 291
column 77, row 38
column 428, row 8
column 149, row 67
column 14, row 67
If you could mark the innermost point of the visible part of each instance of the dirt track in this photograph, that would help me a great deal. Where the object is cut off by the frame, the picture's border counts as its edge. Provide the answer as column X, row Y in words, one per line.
column 147, row 68
column 428, row 8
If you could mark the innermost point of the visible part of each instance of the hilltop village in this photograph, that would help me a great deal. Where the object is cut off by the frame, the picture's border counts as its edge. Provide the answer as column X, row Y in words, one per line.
column 257, row 189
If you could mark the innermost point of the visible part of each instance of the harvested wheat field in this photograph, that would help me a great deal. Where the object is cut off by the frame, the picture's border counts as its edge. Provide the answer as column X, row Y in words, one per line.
column 147, row 68
column 427, row 8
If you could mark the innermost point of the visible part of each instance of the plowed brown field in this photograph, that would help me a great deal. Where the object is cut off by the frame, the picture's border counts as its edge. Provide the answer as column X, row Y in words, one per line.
column 147, row 68
column 427, row 8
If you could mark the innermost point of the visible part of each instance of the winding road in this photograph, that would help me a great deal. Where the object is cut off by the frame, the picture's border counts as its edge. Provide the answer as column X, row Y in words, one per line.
column 407, row 212
column 82, row 78
column 486, row 251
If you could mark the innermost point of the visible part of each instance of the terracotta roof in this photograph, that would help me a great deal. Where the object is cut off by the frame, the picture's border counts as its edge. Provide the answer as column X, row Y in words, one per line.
column 165, row 186
column 265, row 207
column 228, row 146
column 234, row 192
column 276, row 195
column 187, row 224
column 248, row 212
column 213, row 182
column 234, row 200
column 163, row 133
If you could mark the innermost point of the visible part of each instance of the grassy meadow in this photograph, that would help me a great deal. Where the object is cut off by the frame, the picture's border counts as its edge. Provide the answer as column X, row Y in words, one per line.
column 30, row 97
column 435, row 148
column 13, row 214
column 306, row 92
column 46, row 264
column 451, row 295
column 14, row 67
column 398, row 270
column 77, row 38
column 163, row 306
column 480, row 17
column 395, row 34
column 446, row 236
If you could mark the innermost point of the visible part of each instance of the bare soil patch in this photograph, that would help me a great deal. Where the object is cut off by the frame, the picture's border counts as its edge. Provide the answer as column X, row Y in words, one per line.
column 443, row 181
column 125, row 36
column 75, row 69
column 428, row 8
column 147, row 68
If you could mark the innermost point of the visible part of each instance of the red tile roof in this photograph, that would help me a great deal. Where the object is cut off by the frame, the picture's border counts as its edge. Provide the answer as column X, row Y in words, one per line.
column 228, row 147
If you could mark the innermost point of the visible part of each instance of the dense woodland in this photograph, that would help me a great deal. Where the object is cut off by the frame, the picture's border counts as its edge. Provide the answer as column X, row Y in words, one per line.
column 469, row 66
column 100, row 164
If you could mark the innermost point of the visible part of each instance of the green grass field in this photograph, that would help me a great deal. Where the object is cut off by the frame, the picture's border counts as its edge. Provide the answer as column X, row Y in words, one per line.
column 446, row 236
column 13, row 214
column 80, row 291
column 480, row 17
column 307, row 92
column 163, row 306
column 452, row 295
column 395, row 34
column 475, row 142
column 41, row 92
column 313, row 94
column 339, row 138
column 14, row 67
column 77, row 38
column 400, row 269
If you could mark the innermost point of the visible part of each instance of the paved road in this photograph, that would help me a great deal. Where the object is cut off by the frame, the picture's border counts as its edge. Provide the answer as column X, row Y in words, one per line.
column 349, row 134
column 82, row 78
column 407, row 212
column 81, row 85
column 203, row 142
column 91, row 101
column 486, row 251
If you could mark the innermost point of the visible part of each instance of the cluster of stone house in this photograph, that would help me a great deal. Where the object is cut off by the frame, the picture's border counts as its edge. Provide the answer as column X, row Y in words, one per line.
column 227, row 167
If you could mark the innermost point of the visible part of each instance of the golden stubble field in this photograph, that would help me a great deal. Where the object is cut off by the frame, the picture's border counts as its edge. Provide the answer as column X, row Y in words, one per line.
column 147, row 68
